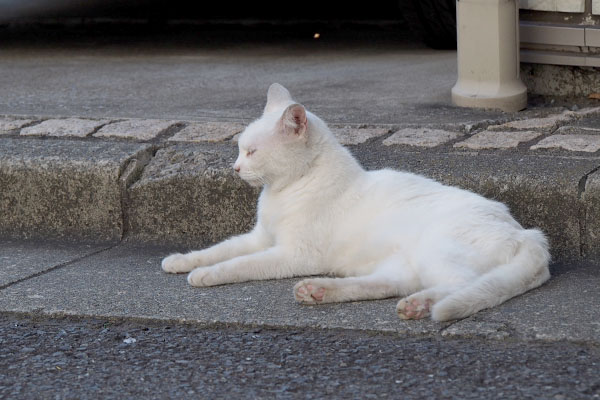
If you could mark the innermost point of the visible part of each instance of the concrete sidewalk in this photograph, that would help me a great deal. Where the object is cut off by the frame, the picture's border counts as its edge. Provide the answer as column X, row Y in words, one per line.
column 125, row 281
column 85, row 203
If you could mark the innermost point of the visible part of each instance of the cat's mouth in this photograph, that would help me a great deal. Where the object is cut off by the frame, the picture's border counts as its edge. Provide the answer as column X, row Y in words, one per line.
column 253, row 183
column 251, row 180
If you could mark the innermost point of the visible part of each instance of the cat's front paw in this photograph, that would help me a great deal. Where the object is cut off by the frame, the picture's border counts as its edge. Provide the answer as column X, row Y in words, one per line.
column 308, row 292
column 177, row 264
column 201, row 277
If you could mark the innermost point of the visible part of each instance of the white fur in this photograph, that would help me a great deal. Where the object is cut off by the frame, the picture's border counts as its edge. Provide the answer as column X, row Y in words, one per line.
column 385, row 233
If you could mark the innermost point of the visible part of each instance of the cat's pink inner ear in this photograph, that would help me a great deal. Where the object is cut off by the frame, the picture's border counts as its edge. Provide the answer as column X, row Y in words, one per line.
column 295, row 120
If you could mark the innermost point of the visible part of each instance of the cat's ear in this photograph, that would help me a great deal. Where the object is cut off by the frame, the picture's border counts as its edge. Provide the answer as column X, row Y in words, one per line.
column 294, row 121
column 277, row 95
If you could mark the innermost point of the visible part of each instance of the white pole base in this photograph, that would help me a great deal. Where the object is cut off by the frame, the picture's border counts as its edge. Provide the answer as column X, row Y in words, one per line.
column 512, row 97
column 488, row 55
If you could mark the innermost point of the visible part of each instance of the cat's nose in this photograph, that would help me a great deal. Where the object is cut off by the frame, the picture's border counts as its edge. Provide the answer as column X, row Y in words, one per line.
column 236, row 168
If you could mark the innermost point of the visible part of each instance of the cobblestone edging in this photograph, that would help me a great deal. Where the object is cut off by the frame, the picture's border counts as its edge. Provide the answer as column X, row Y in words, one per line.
column 577, row 131
column 171, row 180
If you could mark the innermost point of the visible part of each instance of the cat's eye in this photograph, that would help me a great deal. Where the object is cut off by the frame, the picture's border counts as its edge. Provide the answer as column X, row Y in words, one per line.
column 250, row 152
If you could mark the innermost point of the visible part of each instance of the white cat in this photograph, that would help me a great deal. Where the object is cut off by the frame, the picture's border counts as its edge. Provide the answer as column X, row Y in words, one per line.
column 384, row 233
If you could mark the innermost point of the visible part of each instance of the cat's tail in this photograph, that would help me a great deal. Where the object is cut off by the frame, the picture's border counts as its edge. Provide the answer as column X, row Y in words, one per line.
column 527, row 269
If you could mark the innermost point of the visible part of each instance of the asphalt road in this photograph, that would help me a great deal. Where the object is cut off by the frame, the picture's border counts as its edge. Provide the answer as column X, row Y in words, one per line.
column 89, row 359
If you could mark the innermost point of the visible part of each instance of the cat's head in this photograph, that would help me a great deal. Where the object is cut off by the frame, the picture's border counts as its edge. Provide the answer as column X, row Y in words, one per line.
column 279, row 146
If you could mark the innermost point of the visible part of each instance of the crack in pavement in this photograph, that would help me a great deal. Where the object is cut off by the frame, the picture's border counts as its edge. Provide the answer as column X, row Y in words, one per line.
column 581, row 188
column 131, row 172
column 58, row 266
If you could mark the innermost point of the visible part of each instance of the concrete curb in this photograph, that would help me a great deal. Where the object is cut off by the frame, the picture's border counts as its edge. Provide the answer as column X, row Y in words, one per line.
column 64, row 189
column 170, row 182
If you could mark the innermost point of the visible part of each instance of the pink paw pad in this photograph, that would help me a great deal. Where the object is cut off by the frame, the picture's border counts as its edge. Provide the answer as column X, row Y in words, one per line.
column 413, row 308
column 310, row 293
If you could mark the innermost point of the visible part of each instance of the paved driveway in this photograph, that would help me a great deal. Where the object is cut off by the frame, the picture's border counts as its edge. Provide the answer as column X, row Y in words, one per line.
column 364, row 75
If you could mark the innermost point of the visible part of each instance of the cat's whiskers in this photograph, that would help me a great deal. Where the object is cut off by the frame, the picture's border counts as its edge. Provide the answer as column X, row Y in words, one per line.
column 253, row 178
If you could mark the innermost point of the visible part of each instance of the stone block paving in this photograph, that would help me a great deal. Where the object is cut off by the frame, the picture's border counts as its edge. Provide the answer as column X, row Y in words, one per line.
column 348, row 135
column 569, row 130
column 208, row 132
column 549, row 122
column 136, row 129
column 556, row 131
column 422, row 137
column 9, row 124
column 497, row 139
column 584, row 143
column 511, row 134
column 76, row 127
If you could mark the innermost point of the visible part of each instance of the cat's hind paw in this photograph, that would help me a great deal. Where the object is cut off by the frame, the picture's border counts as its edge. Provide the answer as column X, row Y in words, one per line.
column 176, row 264
column 307, row 292
column 414, row 308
